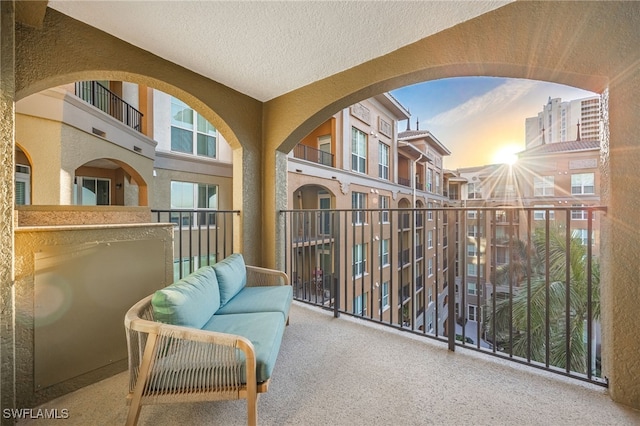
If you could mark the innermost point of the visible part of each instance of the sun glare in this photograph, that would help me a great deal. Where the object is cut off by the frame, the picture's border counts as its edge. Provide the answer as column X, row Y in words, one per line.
column 507, row 155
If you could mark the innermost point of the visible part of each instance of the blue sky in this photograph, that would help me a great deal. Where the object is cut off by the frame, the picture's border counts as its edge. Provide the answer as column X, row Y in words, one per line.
column 478, row 118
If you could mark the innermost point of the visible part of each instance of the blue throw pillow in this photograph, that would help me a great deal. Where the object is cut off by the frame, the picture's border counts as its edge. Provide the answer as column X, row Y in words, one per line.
column 232, row 276
column 190, row 302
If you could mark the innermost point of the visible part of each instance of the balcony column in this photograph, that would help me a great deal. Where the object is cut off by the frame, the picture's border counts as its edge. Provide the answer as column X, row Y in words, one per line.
column 275, row 199
column 7, row 158
column 620, row 244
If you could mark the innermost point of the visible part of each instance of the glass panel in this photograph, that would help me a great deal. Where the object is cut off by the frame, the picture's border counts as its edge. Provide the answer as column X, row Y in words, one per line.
column 181, row 114
column 102, row 192
column 206, row 145
column 21, row 189
column 181, row 140
column 88, row 197
column 205, row 127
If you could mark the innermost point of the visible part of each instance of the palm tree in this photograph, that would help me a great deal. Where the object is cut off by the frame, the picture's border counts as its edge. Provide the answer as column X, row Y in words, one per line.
column 525, row 323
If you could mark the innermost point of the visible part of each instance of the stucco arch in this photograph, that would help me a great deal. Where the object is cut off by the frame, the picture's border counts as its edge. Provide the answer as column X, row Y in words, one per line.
column 589, row 45
column 143, row 189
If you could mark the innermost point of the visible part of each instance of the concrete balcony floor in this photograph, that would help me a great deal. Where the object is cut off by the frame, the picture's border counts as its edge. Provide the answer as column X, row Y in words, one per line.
column 349, row 372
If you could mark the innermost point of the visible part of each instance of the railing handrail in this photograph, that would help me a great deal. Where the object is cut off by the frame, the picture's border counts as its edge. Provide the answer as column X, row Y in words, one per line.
column 444, row 209
column 133, row 116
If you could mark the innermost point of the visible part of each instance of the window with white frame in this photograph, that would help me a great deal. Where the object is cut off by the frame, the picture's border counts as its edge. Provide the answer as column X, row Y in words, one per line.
column 543, row 186
column 430, row 239
column 383, row 161
column 579, row 214
column 429, row 211
column 23, row 184
column 384, row 204
column 473, row 191
column 91, row 191
column 430, row 295
column 430, row 267
column 429, row 180
column 358, row 203
column 472, row 214
column 583, row 236
column 542, row 214
column 359, row 259
column 384, row 295
column 384, row 253
column 471, row 289
column 190, row 132
column 473, row 313
column 437, row 182
column 358, row 151
column 583, row 183
column 472, row 269
column 472, row 231
column 192, row 196
column 360, row 305
column 472, row 250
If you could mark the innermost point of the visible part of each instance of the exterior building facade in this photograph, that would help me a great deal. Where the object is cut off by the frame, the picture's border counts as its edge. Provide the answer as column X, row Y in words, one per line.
column 552, row 178
column 358, row 165
column 565, row 121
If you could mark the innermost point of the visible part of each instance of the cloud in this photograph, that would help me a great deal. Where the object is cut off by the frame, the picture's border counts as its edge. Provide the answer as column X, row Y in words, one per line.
column 500, row 98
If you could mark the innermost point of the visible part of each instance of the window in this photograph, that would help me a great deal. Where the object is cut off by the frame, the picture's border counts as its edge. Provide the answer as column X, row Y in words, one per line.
column 471, row 289
column 472, row 231
column 23, row 184
column 430, row 323
column 358, row 151
column 429, row 180
column 360, row 305
column 430, row 239
column 473, row 191
column 384, row 204
column 200, row 140
column 191, row 196
column 430, row 294
column 472, row 214
column 542, row 214
column 472, row 269
column 358, row 202
column 583, row 236
column 383, row 159
column 543, row 186
column 384, row 295
column 384, row 253
column 359, row 259
column 430, row 267
column 472, row 250
column 437, row 183
column 430, row 211
column 582, row 183
column 579, row 214
column 473, row 312
column 91, row 191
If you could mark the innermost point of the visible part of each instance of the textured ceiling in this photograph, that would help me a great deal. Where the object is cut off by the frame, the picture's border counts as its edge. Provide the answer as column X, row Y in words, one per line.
column 267, row 48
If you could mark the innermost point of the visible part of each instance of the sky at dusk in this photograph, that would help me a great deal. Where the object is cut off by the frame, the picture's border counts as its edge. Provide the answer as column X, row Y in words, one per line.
column 479, row 118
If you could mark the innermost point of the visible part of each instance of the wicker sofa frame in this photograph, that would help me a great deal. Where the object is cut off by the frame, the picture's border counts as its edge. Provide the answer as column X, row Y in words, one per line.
column 171, row 364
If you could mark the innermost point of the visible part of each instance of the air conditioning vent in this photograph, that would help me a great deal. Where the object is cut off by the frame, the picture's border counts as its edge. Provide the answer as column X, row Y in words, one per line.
column 99, row 132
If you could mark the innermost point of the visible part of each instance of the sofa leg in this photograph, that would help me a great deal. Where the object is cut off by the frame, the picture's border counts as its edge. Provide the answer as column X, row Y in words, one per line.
column 287, row 320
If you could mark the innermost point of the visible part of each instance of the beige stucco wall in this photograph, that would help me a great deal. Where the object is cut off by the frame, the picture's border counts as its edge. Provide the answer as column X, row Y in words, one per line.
column 592, row 45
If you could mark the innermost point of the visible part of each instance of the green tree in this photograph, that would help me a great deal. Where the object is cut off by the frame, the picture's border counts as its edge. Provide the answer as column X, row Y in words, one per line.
column 533, row 304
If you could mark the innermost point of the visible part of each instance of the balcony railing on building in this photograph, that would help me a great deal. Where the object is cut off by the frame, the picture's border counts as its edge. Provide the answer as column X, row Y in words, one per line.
column 201, row 237
column 521, row 302
column 305, row 152
column 102, row 98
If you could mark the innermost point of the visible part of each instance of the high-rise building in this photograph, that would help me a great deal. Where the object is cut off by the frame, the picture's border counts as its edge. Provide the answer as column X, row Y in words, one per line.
column 564, row 121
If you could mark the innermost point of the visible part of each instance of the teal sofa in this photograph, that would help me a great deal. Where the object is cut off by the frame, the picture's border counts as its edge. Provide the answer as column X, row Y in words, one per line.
column 212, row 335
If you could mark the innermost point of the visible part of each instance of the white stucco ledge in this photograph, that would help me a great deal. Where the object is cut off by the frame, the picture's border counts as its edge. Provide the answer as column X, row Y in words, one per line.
column 56, row 215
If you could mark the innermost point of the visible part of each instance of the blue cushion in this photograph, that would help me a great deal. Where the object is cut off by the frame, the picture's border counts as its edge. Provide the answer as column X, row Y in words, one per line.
column 189, row 302
column 260, row 299
column 232, row 276
column 263, row 329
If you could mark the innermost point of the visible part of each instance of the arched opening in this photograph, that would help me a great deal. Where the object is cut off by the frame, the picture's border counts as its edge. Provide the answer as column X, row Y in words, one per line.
column 23, row 174
column 108, row 182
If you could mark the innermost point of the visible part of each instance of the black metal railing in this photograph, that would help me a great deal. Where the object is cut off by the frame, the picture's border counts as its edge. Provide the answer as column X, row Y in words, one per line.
column 404, row 182
column 201, row 237
column 540, row 309
column 102, row 98
column 305, row 152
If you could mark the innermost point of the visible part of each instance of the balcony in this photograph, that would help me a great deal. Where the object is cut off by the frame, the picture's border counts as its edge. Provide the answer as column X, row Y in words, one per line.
column 305, row 152
column 104, row 99
column 330, row 371
column 404, row 182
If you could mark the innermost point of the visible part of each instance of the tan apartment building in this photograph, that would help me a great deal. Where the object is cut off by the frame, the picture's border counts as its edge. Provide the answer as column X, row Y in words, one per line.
column 552, row 178
column 357, row 165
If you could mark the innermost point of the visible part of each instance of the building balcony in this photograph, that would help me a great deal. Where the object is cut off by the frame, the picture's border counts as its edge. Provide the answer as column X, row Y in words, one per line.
column 305, row 152
column 105, row 100
column 326, row 371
